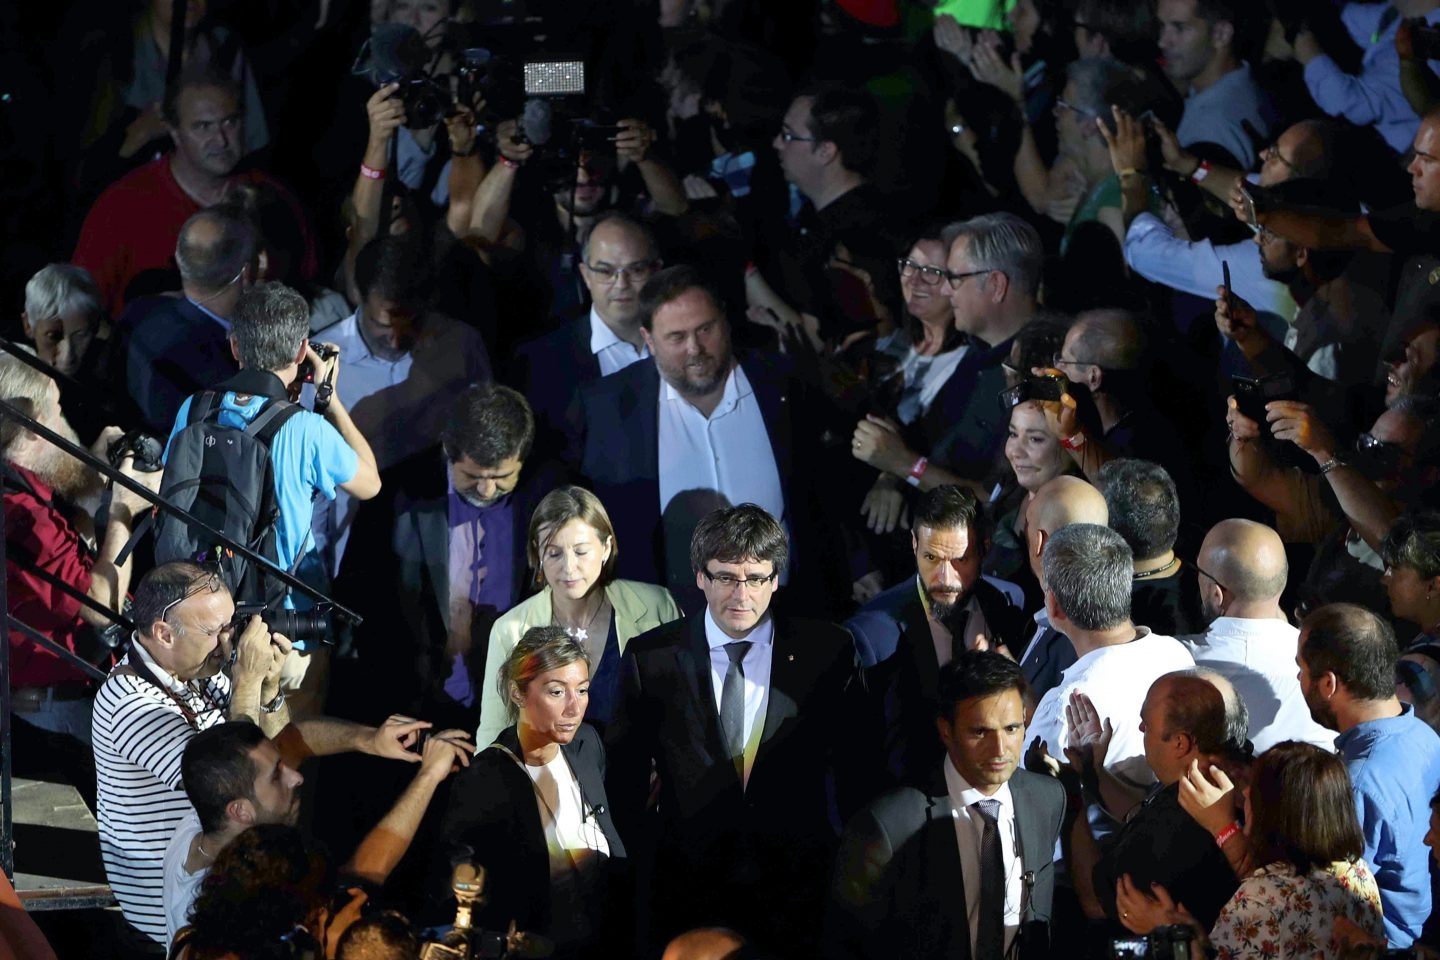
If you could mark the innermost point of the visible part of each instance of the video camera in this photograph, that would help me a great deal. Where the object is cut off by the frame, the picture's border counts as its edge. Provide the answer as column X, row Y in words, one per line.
column 465, row 942
column 397, row 53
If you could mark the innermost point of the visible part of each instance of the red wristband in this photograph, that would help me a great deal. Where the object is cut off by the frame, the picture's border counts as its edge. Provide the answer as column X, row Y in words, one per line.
column 370, row 173
column 1200, row 172
column 1075, row 442
column 917, row 471
column 506, row 161
column 1227, row 834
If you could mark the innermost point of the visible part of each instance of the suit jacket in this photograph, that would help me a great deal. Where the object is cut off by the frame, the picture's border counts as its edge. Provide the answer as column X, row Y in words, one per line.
column 752, row 857
column 173, row 350
column 550, row 371
column 898, row 890
column 1045, row 661
column 895, row 649
column 493, row 818
column 614, row 442
column 639, row 608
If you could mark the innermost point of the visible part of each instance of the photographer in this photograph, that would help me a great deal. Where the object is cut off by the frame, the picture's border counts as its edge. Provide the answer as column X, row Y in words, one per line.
column 560, row 199
column 310, row 454
column 170, row 687
column 52, row 516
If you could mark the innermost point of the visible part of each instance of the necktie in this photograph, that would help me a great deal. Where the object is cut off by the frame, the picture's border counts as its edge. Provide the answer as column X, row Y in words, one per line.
column 990, row 932
column 732, row 704
column 956, row 622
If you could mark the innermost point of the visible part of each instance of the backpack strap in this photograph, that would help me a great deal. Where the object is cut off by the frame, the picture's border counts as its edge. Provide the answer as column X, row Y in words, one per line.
column 268, row 421
column 201, row 406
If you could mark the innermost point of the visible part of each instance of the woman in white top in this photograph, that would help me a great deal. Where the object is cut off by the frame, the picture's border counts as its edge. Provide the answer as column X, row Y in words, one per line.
column 572, row 551
column 531, row 808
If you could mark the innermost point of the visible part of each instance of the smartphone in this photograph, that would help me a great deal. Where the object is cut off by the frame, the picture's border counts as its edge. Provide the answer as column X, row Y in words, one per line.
column 1129, row 948
column 1247, row 202
column 1252, row 394
column 1229, row 293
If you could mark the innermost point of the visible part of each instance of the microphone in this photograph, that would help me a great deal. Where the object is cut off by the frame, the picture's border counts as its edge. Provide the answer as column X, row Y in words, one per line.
column 536, row 123
column 396, row 51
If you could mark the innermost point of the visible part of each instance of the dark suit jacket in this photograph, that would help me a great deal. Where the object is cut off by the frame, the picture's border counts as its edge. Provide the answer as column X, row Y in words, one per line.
column 753, row 857
column 902, row 674
column 550, row 371
column 898, row 889
column 614, row 442
column 493, row 818
column 173, row 350
column 1049, row 658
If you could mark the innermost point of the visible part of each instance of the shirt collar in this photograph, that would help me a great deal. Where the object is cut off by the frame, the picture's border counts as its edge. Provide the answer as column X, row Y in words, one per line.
column 737, row 387
column 962, row 795
column 160, row 673
column 763, row 634
column 1362, row 732
column 224, row 324
column 602, row 337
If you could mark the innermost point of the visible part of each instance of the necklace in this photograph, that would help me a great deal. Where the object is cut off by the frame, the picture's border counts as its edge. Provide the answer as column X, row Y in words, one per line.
column 1157, row 571
column 199, row 845
column 581, row 634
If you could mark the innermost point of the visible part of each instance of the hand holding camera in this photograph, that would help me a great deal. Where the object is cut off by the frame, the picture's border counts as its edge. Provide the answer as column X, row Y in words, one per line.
column 510, row 143
column 254, row 654
column 1236, row 319
column 1241, row 426
column 1297, row 422
column 387, row 114
column 634, row 139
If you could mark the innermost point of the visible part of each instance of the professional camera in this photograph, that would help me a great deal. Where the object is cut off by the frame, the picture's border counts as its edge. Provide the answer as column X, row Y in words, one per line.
column 465, row 942
column 300, row 627
column 148, row 450
column 397, row 53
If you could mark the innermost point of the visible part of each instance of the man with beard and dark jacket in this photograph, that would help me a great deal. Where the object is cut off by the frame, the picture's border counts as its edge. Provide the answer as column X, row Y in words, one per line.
column 906, row 634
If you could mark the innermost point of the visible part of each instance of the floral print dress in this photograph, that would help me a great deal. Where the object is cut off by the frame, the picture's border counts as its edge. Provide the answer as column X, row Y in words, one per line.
column 1278, row 914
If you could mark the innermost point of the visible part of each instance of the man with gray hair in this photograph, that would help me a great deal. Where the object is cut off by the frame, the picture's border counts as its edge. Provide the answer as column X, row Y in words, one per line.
column 992, row 280
column 180, row 345
column 1086, row 578
column 311, row 454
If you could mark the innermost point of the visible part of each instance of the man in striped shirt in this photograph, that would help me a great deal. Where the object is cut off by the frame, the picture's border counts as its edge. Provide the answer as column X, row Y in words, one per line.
column 170, row 686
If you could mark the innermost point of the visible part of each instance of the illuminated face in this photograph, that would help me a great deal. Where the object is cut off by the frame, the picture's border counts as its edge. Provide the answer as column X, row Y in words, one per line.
column 1424, row 169
column 1409, row 593
column 389, row 328
column 554, row 703
column 795, row 145
column 1421, row 351
column 985, row 737
column 616, row 295
column 201, row 644
column 1320, row 710
column 738, row 605
column 1034, row 453
column 926, row 301
column 948, row 561
column 63, row 339
column 210, row 134
column 690, row 341
column 484, row 486
column 586, row 196
column 276, row 790
column 1277, row 163
column 573, row 558
column 970, row 298
column 1184, row 41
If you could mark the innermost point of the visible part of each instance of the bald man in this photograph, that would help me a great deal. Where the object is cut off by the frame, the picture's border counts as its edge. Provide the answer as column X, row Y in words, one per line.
column 1243, row 571
column 1060, row 502
column 706, row 943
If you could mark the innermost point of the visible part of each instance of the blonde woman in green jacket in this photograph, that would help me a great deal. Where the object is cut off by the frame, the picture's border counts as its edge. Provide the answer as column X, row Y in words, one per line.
column 572, row 551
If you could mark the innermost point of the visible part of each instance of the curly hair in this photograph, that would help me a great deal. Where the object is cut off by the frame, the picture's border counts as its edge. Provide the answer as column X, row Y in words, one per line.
column 259, row 891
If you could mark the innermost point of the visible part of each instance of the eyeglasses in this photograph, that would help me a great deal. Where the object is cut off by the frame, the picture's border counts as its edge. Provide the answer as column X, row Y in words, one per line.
column 789, row 137
column 607, row 275
column 956, row 279
column 207, row 584
column 930, row 276
column 1061, row 106
column 1211, row 577
column 726, row 581
column 1058, row 361
column 1274, row 151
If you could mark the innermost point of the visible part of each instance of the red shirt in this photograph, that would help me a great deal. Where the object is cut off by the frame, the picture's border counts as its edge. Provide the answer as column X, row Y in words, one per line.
column 38, row 532
column 135, row 222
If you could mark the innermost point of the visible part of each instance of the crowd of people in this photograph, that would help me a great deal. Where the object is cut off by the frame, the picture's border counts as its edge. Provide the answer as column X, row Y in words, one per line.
column 1021, row 420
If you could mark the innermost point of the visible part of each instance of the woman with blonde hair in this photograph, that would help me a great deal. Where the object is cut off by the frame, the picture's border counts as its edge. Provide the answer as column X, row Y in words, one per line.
column 572, row 551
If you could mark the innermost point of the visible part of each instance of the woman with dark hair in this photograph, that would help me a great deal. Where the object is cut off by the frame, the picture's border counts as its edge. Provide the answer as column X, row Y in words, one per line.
column 531, row 808
column 573, row 553
column 1300, row 826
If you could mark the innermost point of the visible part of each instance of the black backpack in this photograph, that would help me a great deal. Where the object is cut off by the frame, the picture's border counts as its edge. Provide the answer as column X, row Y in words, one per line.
column 223, row 476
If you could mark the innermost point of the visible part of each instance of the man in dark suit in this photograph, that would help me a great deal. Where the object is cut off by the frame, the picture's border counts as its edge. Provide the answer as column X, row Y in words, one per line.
column 906, row 634
column 964, row 868
column 438, row 558
column 180, row 345
column 663, row 443
column 616, row 258
column 740, row 713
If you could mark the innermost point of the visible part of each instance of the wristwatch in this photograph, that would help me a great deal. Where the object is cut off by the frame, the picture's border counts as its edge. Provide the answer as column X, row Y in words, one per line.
column 274, row 705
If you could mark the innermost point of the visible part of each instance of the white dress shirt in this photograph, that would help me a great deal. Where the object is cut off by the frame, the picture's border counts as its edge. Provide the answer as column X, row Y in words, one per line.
column 728, row 453
column 757, row 677
column 1258, row 658
column 1116, row 678
column 613, row 353
column 969, row 828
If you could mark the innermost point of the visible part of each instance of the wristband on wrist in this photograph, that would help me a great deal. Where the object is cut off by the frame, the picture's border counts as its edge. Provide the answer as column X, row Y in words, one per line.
column 1227, row 834
column 1075, row 442
column 370, row 173
column 465, row 153
column 1199, row 174
column 917, row 471
column 1127, row 172
column 1331, row 464
column 506, row 161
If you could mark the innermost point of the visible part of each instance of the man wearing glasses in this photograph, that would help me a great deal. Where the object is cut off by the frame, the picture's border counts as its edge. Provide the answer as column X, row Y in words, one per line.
column 1248, row 639
column 741, row 714
column 173, row 684
column 616, row 258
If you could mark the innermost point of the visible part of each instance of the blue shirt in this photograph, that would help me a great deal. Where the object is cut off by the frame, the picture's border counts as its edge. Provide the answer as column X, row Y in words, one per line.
column 308, row 455
column 1394, row 767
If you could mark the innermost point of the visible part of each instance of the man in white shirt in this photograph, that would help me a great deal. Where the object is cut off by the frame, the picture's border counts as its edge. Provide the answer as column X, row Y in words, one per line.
column 663, row 443
column 1087, row 577
column 899, row 888
column 1243, row 571
column 617, row 256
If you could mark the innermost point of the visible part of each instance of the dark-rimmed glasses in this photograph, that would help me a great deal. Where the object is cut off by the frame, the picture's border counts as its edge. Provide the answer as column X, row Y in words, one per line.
column 727, row 581
column 637, row 272
column 928, row 275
